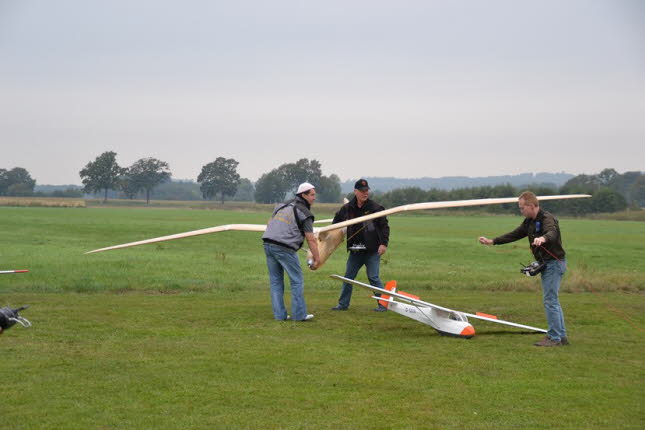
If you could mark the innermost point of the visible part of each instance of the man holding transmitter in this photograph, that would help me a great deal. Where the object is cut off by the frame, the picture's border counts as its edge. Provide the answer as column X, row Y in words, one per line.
column 543, row 232
column 366, row 242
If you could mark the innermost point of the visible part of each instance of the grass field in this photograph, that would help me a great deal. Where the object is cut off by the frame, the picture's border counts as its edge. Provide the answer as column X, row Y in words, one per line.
column 180, row 334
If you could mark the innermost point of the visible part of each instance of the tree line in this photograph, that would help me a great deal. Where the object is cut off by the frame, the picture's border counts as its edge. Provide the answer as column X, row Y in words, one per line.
column 612, row 191
column 105, row 174
column 218, row 179
column 273, row 187
column 16, row 182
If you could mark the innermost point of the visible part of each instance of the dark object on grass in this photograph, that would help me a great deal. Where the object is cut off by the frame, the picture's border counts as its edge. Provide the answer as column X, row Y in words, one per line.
column 9, row 316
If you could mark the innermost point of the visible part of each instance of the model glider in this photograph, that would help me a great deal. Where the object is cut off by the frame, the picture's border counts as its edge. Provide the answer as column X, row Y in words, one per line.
column 446, row 321
column 331, row 236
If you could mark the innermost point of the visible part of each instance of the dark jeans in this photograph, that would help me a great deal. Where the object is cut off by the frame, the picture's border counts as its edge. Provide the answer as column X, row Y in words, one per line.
column 355, row 261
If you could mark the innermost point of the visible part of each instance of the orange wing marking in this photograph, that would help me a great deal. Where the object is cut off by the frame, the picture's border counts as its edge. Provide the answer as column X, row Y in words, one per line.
column 481, row 314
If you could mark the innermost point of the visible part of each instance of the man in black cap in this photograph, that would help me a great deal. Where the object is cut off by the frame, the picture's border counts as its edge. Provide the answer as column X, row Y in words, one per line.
column 366, row 241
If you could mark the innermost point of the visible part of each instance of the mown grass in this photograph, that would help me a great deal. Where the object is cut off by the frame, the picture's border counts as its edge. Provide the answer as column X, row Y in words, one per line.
column 180, row 334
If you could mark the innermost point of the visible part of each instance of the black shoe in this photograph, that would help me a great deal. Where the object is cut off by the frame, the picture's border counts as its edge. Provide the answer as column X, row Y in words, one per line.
column 563, row 340
column 380, row 309
column 548, row 342
column 338, row 308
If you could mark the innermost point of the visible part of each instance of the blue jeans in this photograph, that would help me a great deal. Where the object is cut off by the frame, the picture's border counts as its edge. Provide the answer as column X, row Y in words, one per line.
column 355, row 261
column 551, row 277
column 279, row 260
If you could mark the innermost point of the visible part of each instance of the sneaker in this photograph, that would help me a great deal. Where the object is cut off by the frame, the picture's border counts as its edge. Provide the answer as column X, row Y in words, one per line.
column 309, row 317
column 338, row 308
column 548, row 342
column 380, row 309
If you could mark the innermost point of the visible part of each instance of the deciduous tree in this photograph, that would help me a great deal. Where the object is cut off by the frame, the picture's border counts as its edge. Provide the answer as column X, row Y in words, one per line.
column 245, row 191
column 272, row 187
column 128, row 186
column 145, row 174
column 328, row 190
column 637, row 192
column 301, row 171
column 221, row 177
column 102, row 174
column 16, row 182
column 607, row 200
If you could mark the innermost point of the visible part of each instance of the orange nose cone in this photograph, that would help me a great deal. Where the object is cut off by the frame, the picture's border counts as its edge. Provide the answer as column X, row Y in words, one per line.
column 468, row 331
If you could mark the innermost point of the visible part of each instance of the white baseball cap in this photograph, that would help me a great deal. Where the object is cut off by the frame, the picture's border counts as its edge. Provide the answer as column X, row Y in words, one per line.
column 304, row 187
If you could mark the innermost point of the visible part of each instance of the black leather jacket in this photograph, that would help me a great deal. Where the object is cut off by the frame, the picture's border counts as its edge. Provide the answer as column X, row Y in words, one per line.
column 370, row 233
column 544, row 224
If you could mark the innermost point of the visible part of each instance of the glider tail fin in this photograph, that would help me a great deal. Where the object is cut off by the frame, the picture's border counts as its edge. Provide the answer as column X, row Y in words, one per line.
column 391, row 287
column 385, row 299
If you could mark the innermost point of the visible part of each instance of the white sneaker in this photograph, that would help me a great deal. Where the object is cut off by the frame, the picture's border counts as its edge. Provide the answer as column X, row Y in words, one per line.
column 309, row 317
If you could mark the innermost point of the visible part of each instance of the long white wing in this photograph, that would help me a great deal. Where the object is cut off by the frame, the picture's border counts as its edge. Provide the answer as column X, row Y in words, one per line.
column 421, row 303
column 442, row 205
column 323, row 221
column 227, row 227
column 317, row 230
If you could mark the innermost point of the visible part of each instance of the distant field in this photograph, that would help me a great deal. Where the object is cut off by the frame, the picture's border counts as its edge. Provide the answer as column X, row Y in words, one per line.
column 196, row 204
column 42, row 202
column 179, row 334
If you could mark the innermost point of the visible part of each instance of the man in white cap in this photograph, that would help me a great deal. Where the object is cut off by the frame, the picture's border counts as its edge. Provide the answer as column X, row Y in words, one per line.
column 291, row 223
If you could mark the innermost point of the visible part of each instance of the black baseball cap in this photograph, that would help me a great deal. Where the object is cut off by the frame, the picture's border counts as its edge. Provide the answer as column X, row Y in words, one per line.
column 361, row 185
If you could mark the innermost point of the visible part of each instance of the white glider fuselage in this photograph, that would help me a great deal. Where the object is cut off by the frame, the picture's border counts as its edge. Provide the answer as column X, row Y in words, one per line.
column 446, row 321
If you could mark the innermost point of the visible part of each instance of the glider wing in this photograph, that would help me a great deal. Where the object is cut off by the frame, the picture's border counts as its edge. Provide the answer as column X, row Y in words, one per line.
column 442, row 205
column 228, row 227
column 327, row 232
column 323, row 221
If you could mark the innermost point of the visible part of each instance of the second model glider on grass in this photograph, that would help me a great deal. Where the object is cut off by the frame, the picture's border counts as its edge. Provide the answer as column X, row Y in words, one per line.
column 331, row 236
column 447, row 322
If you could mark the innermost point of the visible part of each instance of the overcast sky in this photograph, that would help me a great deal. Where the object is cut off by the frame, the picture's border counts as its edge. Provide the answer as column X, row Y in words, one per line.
column 368, row 88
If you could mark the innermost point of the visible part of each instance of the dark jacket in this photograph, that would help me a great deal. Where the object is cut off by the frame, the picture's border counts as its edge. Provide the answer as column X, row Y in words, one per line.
column 370, row 233
column 544, row 224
